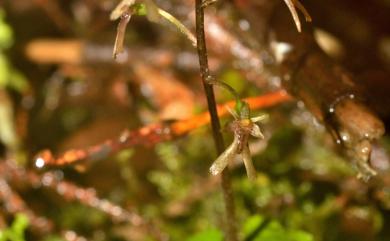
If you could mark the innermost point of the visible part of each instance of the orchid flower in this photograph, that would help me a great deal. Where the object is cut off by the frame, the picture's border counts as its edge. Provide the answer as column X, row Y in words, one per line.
column 243, row 126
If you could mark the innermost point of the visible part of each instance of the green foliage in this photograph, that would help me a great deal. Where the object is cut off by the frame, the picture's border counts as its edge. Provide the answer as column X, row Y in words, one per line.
column 235, row 80
column 9, row 77
column 16, row 231
column 12, row 79
column 172, row 182
column 256, row 228
column 6, row 37
column 207, row 235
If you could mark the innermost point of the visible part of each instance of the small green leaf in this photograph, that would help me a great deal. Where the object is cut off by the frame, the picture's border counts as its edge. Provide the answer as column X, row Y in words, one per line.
column 4, row 70
column 19, row 225
column 6, row 37
column 243, row 110
column 9, row 77
column 17, row 81
column 17, row 229
column 139, row 9
column 272, row 231
column 207, row 235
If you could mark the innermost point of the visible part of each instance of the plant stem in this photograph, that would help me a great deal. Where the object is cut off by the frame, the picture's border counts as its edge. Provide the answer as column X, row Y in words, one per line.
column 231, row 233
column 178, row 25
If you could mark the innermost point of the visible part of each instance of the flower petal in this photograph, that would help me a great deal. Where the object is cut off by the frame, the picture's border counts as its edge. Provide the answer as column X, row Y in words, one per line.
column 259, row 118
column 250, row 169
column 223, row 160
column 256, row 132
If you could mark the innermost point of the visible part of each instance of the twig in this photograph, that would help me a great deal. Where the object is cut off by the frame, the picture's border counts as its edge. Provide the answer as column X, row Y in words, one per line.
column 151, row 134
column 69, row 191
column 268, row 100
column 231, row 232
column 291, row 4
column 120, row 33
column 183, row 29
column 14, row 203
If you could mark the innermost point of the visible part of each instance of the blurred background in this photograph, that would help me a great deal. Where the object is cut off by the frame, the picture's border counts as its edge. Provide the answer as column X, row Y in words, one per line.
column 61, row 89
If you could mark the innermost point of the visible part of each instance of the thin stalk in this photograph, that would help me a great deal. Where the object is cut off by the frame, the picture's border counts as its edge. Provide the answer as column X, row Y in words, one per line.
column 183, row 29
column 231, row 232
column 210, row 80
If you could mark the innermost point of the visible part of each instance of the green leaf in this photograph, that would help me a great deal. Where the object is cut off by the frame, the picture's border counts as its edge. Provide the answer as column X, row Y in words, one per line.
column 272, row 231
column 139, row 9
column 17, row 81
column 19, row 226
column 298, row 235
column 4, row 70
column 8, row 134
column 3, row 236
column 9, row 77
column 6, row 38
column 252, row 224
column 17, row 229
column 207, row 235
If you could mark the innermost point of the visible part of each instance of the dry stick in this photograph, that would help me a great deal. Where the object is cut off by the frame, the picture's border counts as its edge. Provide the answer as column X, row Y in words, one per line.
column 231, row 232
column 13, row 203
column 69, row 191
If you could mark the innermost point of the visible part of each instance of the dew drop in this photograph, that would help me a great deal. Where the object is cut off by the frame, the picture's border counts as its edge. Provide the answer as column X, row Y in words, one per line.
column 345, row 138
column 244, row 25
column 39, row 162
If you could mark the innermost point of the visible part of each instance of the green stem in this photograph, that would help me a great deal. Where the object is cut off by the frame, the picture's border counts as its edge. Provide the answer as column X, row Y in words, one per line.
column 212, row 81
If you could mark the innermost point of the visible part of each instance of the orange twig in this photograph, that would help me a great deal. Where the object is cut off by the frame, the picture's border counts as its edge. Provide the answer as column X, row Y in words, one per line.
column 268, row 100
column 151, row 134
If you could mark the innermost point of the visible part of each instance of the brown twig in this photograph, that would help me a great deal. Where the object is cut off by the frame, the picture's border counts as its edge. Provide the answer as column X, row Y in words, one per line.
column 14, row 203
column 69, row 191
column 121, row 30
column 151, row 134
